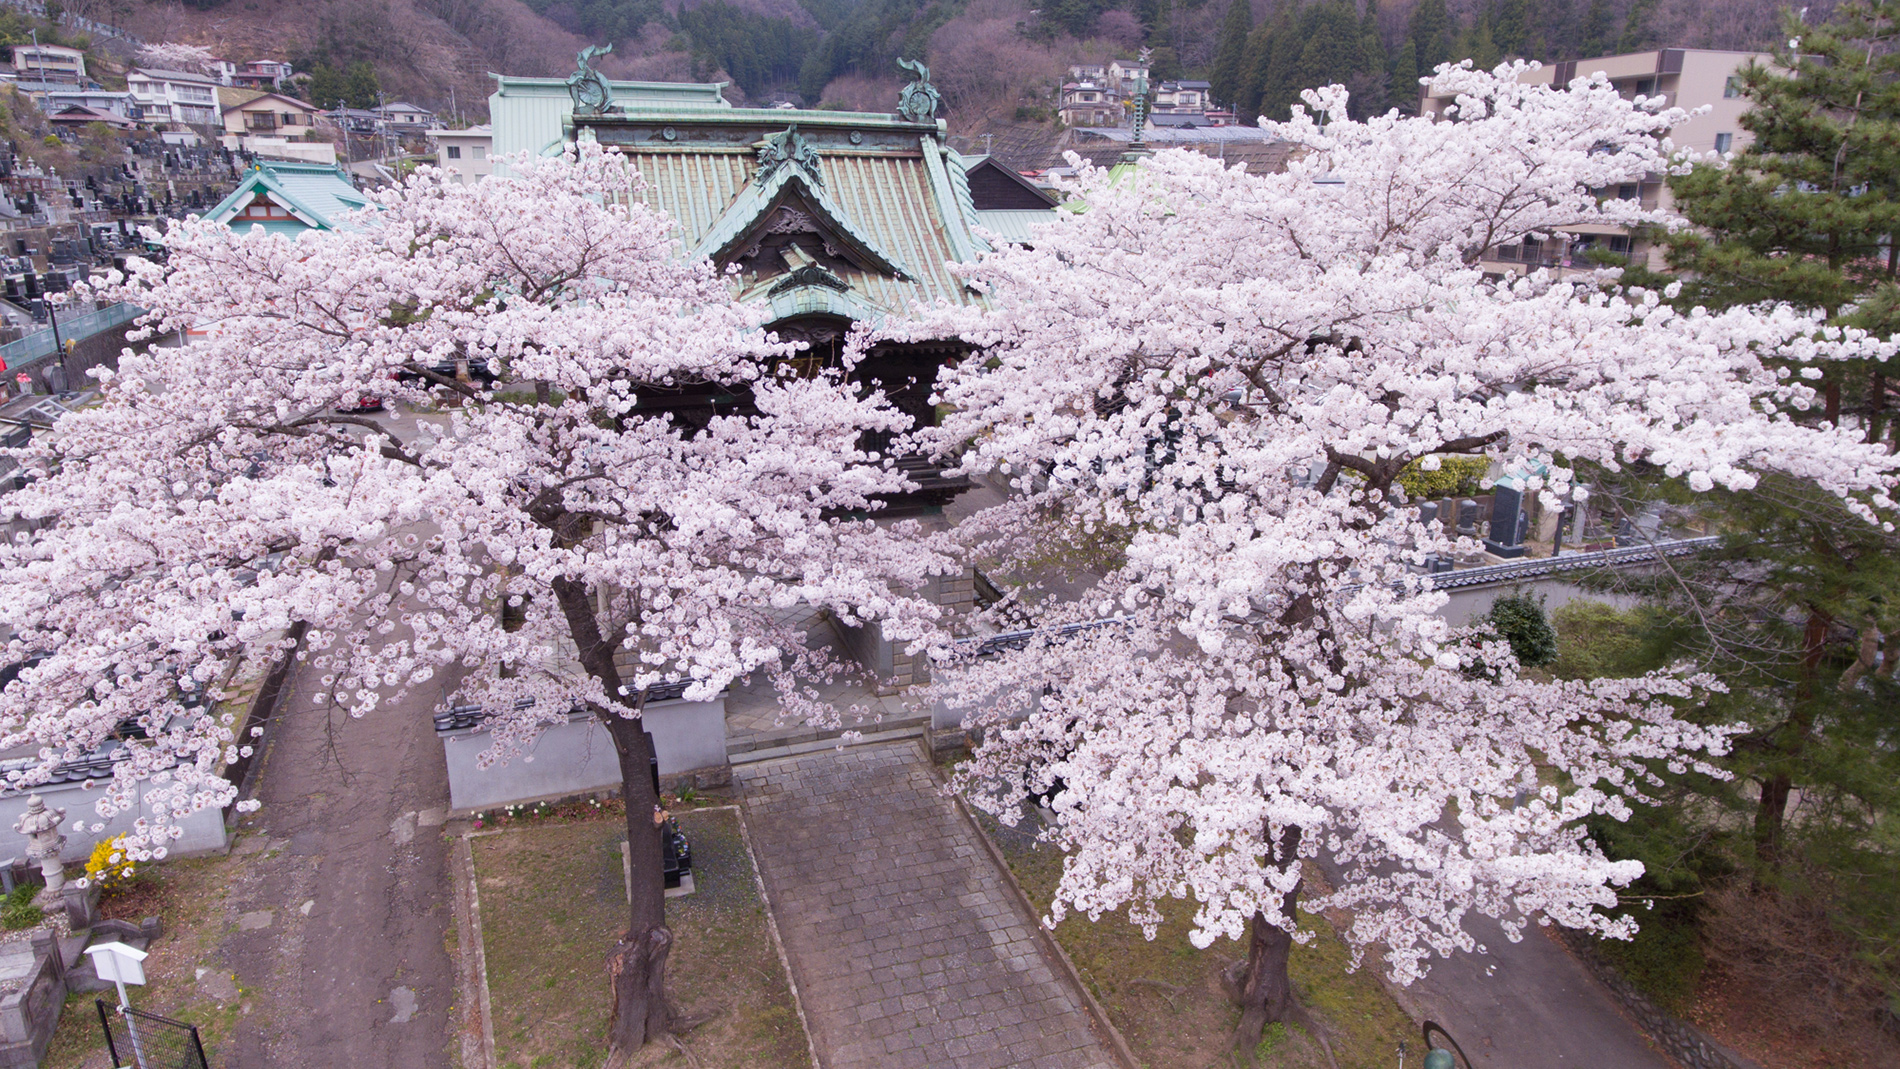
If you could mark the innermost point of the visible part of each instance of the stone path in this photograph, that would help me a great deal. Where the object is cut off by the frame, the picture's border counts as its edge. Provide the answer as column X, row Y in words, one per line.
column 908, row 946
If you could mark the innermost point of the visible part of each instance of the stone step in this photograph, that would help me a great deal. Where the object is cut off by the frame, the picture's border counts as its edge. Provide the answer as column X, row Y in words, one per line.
column 745, row 751
column 793, row 734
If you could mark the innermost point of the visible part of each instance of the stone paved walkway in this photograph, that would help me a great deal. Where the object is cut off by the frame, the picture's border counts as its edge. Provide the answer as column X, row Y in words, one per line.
column 908, row 946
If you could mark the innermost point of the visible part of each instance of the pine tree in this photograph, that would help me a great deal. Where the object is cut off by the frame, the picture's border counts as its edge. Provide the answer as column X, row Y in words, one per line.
column 1230, row 61
column 1371, row 79
column 1805, row 215
column 1432, row 34
column 1599, row 30
column 1511, row 28
column 1331, row 51
column 1278, row 90
column 1255, row 65
column 1405, row 91
column 1477, row 43
column 1638, row 34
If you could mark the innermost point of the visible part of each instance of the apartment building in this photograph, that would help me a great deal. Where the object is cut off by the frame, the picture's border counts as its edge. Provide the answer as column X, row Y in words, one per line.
column 1687, row 78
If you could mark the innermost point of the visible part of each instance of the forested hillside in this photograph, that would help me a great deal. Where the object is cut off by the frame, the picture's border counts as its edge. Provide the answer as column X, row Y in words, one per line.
column 999, row 62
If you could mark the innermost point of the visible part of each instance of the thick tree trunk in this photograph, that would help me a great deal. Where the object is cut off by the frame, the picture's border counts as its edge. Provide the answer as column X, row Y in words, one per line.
column 637, row 964
column 1792, row 740
column 1260, row 985
column 1770, row 811
column 636, row 967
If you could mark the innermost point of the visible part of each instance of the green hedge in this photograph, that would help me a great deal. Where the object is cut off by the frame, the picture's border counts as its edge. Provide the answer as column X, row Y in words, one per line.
column 1455, row 477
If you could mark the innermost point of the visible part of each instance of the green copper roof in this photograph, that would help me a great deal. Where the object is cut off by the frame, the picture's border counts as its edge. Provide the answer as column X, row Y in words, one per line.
column 869, row 210
column 318, row 195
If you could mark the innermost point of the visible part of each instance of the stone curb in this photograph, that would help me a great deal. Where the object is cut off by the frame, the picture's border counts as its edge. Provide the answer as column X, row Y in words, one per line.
column 1052, row 948
column 771, row 928
column 478, row 1050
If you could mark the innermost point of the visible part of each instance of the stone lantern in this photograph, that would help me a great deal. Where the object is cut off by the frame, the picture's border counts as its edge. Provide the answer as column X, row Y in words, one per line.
column 40, row 825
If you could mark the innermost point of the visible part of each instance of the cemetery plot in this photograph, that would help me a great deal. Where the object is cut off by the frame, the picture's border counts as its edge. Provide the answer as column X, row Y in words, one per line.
column 1165, row 996
column 552, row 896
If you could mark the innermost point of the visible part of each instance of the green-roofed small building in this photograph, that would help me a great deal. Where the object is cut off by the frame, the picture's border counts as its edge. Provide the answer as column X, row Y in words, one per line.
column 289, row 198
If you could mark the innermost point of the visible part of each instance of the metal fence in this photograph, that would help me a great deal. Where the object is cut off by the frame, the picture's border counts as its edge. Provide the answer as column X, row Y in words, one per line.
column 140, row 1040
column 78, row 328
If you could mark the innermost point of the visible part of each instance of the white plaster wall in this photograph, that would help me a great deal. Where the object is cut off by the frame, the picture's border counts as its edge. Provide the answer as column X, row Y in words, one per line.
column 204, row 830
column 578, row 756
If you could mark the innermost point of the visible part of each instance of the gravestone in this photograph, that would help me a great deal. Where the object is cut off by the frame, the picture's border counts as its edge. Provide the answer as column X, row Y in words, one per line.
column 1428, row 513
column 1467, row 518
column 1508, row 522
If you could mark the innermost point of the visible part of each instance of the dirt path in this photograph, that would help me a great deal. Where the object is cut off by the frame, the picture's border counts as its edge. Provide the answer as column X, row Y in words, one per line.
column 343, row 917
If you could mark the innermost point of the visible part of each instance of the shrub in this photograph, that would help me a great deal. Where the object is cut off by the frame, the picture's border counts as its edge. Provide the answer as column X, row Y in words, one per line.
column 1595, row 641
column 17, row 910
column 1519, row 620
column 109, row 868
column 1455, row 477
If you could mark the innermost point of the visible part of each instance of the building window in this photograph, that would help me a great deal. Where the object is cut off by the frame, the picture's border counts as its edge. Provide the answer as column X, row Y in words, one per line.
column 478, row 152
column 1733, row 87
column 1723, row 141
column 455, row 152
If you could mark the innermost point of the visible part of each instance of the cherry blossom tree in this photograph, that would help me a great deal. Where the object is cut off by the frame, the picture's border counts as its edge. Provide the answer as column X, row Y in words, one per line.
column 175, row 56
column 1218, row 376
column 568, row 541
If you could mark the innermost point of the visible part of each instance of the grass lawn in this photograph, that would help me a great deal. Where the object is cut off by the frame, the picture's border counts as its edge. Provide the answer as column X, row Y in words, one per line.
column 553, row 901
column 1165, row 996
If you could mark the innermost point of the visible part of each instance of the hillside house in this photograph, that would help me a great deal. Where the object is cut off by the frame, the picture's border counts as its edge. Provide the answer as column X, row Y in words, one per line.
column 403, row 115
column 248, row 112
column 49, row 63
column 1090, row 104
column 1181, row 98
column 174, row 97
column 261, row 74
column 465, row 153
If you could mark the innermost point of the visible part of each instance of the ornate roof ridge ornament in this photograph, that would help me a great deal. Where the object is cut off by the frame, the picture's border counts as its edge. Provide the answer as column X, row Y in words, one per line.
column 591, row 92
column 918, row 101
column 790, row 147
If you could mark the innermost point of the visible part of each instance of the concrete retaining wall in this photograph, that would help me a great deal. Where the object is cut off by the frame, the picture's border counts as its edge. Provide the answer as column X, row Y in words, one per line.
column 578, row 757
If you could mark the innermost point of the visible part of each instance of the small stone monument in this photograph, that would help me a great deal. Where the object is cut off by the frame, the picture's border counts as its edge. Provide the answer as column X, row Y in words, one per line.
column 1428, row 513
column 40, row 825
column 1468, row 518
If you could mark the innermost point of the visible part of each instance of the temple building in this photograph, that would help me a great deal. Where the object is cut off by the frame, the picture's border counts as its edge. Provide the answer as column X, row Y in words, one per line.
column 831, row 218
